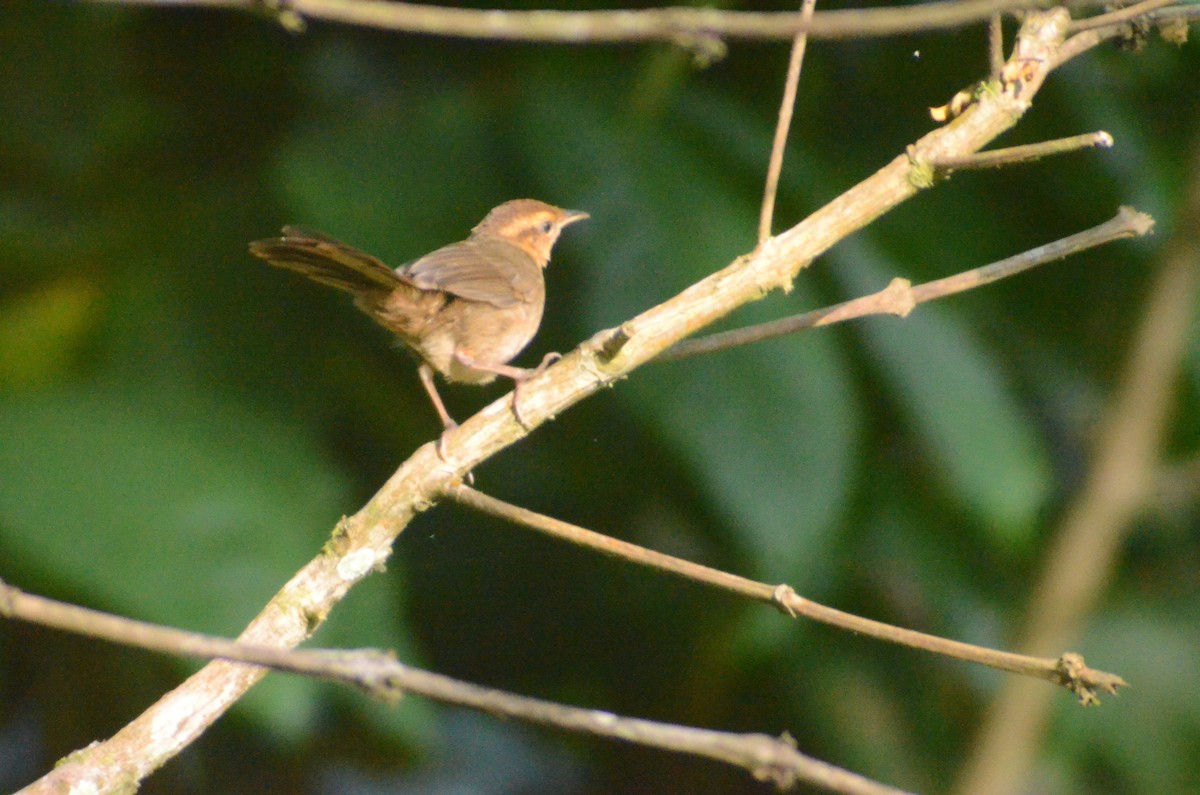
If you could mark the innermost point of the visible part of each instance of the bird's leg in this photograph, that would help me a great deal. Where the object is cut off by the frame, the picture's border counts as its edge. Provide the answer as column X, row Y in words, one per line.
column 448, row 424
column 506, row 370
column 519, row 375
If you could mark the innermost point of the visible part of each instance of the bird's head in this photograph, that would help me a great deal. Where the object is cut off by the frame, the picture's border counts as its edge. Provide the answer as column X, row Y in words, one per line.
column 528, row 224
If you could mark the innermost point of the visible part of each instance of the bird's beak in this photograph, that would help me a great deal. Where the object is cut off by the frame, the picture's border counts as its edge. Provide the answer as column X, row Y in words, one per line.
column 571, row 216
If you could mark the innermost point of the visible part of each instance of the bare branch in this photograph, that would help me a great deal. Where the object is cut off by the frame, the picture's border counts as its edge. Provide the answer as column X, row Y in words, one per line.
column 775, row 166
column 362, row 543
column 1067, row 670
column 1127, row 223
column 1120, row 16
column 1027, row 153
column 995, row 45
column 900, row 297
column 773, row 759
column 1087, row 39
column 681, row 25
column 39, row 610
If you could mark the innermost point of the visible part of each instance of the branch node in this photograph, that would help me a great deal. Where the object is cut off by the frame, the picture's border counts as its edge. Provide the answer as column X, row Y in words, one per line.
column 376, row 673
column 616, row 341
column 599, row 351
column 590, row 363
column 421, row 501
column 1073, row 673
column 339, row 540
column 313, row 620
column 782, row 597
column 768, row 248
column 898, row 297
column 772, row 759
column 1016, row 73
column 283, row 13
column 706, row 48
column 922, row 175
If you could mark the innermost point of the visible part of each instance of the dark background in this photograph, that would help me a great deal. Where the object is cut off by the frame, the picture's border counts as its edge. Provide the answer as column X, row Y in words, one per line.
column 180, row 426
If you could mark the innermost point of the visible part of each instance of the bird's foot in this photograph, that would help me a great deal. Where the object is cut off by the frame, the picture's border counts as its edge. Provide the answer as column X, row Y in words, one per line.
column 441, row 442
column 547, row 360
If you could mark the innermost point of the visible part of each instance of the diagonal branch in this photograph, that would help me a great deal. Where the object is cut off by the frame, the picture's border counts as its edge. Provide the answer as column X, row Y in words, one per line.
column 362, row 543
column 1067, row 670
column 900, row 297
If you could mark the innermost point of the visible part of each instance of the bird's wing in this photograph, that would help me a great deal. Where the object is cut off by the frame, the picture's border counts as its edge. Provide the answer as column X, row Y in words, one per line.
column 490, row 271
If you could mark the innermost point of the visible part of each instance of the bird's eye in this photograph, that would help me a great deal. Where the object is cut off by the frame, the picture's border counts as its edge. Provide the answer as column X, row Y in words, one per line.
column 545, row 227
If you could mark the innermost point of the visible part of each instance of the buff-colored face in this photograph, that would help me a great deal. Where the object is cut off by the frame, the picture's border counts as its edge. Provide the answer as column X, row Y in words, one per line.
column 531, row 225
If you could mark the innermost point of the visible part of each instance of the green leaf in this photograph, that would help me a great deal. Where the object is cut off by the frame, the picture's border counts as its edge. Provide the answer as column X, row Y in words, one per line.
column 171, row 506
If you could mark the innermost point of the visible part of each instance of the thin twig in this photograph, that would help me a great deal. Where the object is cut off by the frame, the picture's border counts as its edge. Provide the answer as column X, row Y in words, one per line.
column 1120, row 16
column 45, row 612
column 900, row 297
column 995, row 45
column 1026, row 153
column 680, row 25
column 773, row 759
column 1081, row 42
column 775, row 166
column 1067, row 670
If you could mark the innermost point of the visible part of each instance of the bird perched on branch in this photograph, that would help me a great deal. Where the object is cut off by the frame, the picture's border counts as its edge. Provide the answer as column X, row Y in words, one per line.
column 466, row 310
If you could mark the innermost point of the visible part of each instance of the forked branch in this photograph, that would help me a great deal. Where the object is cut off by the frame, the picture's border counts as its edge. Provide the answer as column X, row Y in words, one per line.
column 362, row 543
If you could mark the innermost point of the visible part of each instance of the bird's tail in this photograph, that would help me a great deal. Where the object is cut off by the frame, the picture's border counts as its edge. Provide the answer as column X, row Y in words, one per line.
column 330, row 262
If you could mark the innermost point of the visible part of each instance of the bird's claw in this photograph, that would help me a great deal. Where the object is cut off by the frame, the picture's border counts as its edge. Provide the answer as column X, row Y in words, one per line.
column 516, row 406
column 441, row 442
column 469, row 477
column 547, row 360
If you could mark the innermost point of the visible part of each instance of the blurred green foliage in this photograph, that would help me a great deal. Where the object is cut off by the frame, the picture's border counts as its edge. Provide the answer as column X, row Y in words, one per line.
column 180, row 427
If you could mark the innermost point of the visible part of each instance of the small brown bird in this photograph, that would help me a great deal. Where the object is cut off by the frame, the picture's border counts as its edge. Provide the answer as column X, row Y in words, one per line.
column 466, row 310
